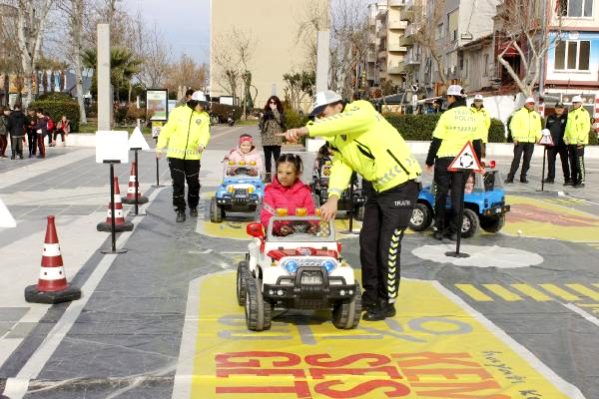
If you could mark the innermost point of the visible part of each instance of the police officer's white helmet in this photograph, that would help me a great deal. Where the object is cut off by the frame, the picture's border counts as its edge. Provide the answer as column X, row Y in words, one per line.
column 478, row 97
column 322, row 99
column 199, row 96
column 455, row 90
column 530, row 100
column 576, row 99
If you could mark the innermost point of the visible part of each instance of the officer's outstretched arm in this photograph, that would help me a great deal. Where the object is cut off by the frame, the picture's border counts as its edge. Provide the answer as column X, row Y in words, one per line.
column 353, row 120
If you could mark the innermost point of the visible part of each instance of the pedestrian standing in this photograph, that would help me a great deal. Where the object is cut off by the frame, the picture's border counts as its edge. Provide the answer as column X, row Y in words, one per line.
column 556, row 124
column 3, row 131
column 63, row 127
column 41, row 129
column 483, row 120
column 185, row 137
column 526, row 131
column 16, row 127
column 271, row 124
column 185, row 98
column 576, row 138
column 364, row 142
column 31, row 133
column 456, row 127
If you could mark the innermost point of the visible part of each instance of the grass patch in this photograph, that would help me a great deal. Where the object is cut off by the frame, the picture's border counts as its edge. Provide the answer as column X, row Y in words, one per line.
column 93, row 127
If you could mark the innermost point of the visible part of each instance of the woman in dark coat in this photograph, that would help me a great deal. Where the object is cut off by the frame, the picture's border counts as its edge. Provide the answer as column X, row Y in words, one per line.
column 271, row 123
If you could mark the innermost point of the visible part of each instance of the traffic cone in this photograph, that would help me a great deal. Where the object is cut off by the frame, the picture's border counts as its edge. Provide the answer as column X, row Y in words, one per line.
column 52, row 286
column 130, row 198
column 119, row 218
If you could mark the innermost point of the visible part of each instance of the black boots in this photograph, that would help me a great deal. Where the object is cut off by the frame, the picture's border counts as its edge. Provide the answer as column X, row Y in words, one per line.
column 380, row 311
column 193, row 212
column 180, row 216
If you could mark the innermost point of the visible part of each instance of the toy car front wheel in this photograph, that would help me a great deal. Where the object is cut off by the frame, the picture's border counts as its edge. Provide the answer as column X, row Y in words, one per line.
column 492, row 224
column 242, row 274
column 421, row 217
column 346, row 314
column 258, row 312
column 470, row 223
column 216, row 212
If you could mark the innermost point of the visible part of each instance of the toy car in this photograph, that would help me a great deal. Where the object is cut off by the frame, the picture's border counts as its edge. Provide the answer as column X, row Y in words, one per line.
column 242, row 190
column 484, row 206
column 351, row 199
column 302, row 270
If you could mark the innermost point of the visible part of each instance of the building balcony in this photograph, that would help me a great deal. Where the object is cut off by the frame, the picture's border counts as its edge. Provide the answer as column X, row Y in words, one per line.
column 382, row 32
column 397, row 47
column 407, row 15
column 382, row 55
column 397, row 69
column 406, row 41
column 371, row 57
column 398, row 24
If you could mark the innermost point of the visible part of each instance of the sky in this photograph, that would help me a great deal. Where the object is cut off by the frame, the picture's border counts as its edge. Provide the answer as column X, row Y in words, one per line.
column 184, row 23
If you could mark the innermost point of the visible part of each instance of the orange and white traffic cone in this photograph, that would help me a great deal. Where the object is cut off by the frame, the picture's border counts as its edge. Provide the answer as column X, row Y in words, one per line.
column 52, row 286
column 130, row 198
column 120, row 224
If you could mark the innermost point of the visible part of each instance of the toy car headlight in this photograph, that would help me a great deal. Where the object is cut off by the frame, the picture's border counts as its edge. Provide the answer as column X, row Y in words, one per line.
column 329, row 265
column 230, row 189
column 253, row 163
column 291, row 266
column 250, row 189
column 231, row 163
column 301, row 212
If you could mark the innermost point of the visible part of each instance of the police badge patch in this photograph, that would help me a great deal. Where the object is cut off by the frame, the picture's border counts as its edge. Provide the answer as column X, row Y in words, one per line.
column 199, row 121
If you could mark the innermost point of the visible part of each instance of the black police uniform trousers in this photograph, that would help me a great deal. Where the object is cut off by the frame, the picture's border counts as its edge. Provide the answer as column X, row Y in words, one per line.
column 552, row 153
column 577, row 171
column 182, row 170
column 521, row 149
column 386, row 216
column 446, row 181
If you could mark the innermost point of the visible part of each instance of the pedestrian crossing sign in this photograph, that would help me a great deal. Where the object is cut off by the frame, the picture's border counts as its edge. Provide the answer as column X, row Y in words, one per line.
column 546, row 139
column 466, row 160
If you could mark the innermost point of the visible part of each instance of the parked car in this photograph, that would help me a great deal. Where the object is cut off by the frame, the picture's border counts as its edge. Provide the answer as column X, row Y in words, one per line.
column 302, row 269
column 242, row 190
column 484, row 206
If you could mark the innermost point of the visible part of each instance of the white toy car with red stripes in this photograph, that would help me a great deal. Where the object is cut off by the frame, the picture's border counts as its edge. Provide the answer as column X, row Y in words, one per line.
column 296, row 264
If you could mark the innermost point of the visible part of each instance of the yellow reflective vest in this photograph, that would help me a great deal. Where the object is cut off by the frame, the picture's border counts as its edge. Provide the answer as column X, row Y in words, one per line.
column 578, row 127
column 455, row 128
column 185, row 131
column 363, row 141
column 526, row 126
column 484, row 122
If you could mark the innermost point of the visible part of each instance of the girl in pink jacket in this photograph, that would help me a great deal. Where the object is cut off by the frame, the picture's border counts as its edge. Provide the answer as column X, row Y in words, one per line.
column 286, row 191
column 246, row 152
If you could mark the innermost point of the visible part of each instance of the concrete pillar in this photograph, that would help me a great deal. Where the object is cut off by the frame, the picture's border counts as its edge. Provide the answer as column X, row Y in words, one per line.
column 323, row 61
column 104, row 86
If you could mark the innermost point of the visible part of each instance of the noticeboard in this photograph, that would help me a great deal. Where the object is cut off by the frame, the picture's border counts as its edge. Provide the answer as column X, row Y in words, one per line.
column 112, row 146
column 157, row 104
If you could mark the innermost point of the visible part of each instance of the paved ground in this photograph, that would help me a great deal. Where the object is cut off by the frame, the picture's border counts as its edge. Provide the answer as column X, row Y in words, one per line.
column 519, row 319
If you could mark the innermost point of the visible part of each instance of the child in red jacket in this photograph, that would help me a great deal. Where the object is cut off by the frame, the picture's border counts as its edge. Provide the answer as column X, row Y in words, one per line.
column 286, row 191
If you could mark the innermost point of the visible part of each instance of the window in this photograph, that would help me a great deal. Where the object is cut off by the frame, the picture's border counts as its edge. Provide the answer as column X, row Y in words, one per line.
column 572, row 55
column 576, row 8
column 452, row 25
column 486, row 65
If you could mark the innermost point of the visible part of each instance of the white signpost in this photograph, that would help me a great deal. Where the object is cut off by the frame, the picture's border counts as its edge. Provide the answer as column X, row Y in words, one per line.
column 6, row 219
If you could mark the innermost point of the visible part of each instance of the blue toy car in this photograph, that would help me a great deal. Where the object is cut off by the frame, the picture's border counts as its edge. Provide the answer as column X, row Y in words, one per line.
column 484, row 205
column 242, row 190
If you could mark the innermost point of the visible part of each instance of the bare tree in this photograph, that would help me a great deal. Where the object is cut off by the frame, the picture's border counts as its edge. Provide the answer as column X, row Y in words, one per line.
column 349, row 45
column 312, row 18
column 428, row 16
column 522, row 28
column 155, row 53
column 186, row 73
column 31, row 20
column 9, row 51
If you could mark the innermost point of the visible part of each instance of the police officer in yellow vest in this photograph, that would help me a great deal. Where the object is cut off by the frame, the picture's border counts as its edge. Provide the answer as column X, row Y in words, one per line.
column 526, row 129
column 483, row 119
column 455, row 128
column 185, row 136
column 363, row 141
column 576, row 137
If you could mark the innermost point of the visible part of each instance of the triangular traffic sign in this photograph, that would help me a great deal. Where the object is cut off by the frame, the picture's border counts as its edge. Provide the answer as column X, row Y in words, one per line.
column 137, row 141
column 6, row 219
column 466, row 160
column 546, row 139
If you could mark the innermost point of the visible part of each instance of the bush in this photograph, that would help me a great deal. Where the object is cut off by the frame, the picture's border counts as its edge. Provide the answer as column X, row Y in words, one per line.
column 593, row 139
column 420, row 127
column 294, row 119
column 58, row 104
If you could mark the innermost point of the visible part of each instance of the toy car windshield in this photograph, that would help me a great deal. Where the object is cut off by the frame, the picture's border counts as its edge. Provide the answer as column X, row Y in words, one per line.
column 300, row 228
column 241, row 169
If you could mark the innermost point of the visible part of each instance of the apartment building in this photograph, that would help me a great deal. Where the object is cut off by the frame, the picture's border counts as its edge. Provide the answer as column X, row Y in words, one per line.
column 572, row 63
column 273, row 27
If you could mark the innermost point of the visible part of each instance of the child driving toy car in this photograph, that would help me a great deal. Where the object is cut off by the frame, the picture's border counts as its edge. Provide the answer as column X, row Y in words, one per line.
column 246, row 153
column 287, row 191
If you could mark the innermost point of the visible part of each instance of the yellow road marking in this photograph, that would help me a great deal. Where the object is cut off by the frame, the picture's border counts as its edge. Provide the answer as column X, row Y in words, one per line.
column 531, row 292
column 559, row 292
column 503, row 292
column 584, row 291
column 474, row 292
